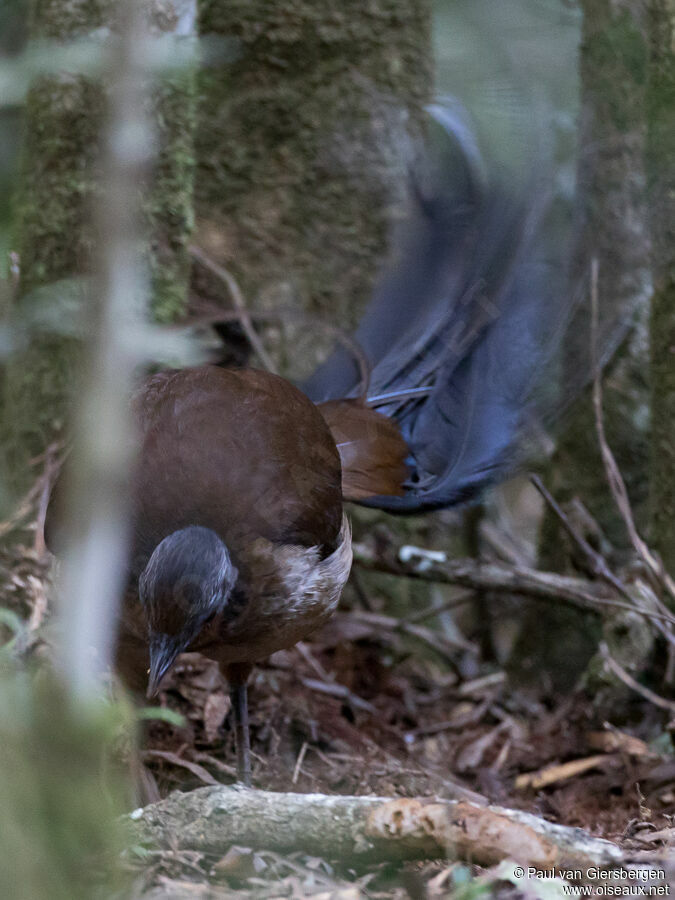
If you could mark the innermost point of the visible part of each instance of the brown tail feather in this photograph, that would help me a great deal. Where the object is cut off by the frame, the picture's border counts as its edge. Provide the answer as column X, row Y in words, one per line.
column 372, row 451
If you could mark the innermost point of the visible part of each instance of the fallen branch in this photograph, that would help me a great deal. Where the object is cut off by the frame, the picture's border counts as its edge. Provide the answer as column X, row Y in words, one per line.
column 360, row 829
column 481, row 576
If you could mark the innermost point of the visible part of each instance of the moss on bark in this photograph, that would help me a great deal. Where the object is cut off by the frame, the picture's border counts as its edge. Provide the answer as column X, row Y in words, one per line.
column 169, row 207
column 63, row 120
column 305, row 141
column 611, row 223
column 611, row 218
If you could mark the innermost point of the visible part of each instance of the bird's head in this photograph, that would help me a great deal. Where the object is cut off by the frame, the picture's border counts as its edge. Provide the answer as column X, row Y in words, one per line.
column 187, row 581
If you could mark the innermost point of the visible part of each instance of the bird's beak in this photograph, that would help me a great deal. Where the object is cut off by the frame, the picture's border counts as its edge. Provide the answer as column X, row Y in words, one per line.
column 163, row 651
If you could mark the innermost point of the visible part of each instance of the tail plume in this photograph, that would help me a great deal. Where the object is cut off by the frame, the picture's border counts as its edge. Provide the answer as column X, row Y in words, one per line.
column 463, row 319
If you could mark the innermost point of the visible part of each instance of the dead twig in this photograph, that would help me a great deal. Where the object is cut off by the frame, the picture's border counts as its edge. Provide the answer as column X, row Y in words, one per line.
column 615, row 480
column 560, row 772
column 598, row 564
column 166, row 756
column 438, row 608
column 238, row 299
column 38, row 494
column 299, row 761
column 443, row 644
column 333, row 689
column 500, row 579
column 200, row 756
column 618, row 670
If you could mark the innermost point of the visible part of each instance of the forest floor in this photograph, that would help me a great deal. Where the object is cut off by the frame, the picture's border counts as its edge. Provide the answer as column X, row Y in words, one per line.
column 360, row 711
column 334, row 717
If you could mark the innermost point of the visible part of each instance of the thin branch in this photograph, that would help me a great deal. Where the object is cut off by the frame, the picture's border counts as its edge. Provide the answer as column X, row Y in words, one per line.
column 175, row 760
column 438, row 608
column 238, row 299
column 443, row 644
column 598, row 564
column 502, row 579
column 341, row 691
column 616, row 483
column 634, row 685
column 99, row 495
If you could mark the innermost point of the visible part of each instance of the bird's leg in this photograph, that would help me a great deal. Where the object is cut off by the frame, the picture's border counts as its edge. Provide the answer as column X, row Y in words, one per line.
column 237, row 676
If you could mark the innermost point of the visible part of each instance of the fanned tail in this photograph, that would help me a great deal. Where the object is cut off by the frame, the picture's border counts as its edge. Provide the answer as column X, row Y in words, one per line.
column 465, row 315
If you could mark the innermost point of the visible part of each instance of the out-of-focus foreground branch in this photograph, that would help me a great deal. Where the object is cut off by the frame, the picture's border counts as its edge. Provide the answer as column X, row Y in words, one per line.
column 99, row 477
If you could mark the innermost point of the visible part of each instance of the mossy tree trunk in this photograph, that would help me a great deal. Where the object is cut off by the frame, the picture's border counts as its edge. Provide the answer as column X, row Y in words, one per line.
column 611, row 227
column 661, row 180
column 63, row 118
column 305, row 141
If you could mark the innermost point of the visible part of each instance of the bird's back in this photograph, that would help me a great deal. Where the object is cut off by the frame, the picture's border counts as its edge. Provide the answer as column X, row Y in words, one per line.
column 241, row 452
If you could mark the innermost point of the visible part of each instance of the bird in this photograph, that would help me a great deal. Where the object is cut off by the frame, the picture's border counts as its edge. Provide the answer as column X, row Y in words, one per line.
column 241, row 545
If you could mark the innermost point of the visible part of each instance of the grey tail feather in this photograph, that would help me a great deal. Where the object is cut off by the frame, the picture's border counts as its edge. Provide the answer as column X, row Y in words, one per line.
column 469, row 306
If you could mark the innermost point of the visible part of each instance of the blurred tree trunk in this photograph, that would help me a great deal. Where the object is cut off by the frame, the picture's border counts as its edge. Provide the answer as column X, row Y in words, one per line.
column 661, row 180
column 54, row 234
column 611, row 226
column 304, row 144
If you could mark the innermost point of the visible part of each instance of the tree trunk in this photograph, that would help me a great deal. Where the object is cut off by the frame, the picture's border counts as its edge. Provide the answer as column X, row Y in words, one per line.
column 611, row 226
column 63, row 119
column 305, row 141
column 661, row 179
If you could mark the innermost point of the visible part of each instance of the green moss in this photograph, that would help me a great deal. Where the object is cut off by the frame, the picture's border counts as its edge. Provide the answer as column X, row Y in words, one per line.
column 59, row 179
column 59, row 19
column 54, row 241
column 614, row 53
column 169, row 207
column 60, row 146
column 304, row 141
column 61, row 792
column 612, row 228
column 662, row 470
column 303, row 148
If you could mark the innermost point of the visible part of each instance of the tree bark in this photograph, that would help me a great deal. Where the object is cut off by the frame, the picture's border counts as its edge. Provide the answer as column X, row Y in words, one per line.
column 611, row 226
column 59, row 181
column 304, row 144
column 360, row 829
column 661, row 179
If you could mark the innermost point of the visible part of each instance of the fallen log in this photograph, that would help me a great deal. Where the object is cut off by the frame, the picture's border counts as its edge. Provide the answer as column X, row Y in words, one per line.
column 363, row 829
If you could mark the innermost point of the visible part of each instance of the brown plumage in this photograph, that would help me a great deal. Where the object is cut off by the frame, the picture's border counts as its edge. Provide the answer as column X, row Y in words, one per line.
column 372, row 452
column 246, row 455
column 240, row 451
column 240, row 546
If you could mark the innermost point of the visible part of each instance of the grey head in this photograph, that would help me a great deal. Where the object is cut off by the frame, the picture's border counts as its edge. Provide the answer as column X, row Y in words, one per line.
column 186, row 582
